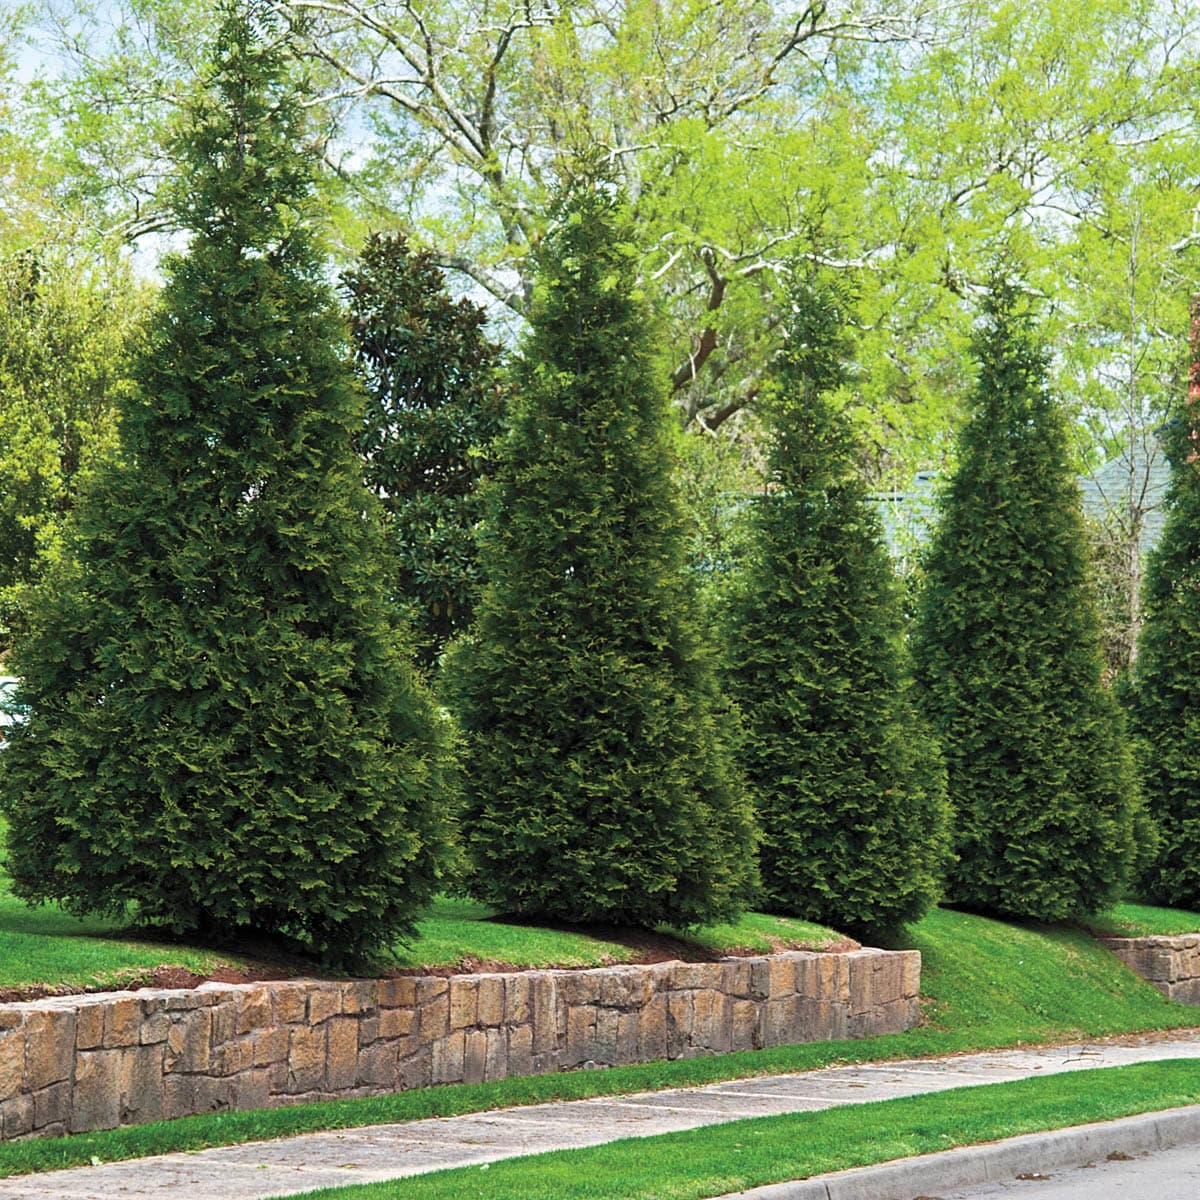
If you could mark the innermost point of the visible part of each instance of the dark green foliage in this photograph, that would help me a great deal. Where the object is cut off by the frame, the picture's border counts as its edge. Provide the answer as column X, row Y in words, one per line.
column 847, row 783
column 599, row 785
column 1166, row 677
column 226, row 731
column 1009, row 655
column 434, row 408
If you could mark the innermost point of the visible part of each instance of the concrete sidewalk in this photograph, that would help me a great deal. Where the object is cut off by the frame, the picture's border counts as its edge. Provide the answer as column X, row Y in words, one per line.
column 268, row 1169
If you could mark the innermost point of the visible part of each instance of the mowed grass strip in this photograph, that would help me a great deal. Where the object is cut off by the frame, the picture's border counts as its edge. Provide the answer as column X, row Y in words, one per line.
column 719, row 1159
column 991, row 984
column 1142, row 920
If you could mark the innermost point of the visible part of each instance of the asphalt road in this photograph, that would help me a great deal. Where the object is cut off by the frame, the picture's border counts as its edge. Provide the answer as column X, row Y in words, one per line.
column 1167, row 1175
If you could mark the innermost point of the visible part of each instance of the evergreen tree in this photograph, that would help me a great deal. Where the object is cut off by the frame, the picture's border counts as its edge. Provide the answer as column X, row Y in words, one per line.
column 1009, row 654
column 434, row 408
column 226, row 733
column 1166, row 677
column 848, row 785
column 599, row 783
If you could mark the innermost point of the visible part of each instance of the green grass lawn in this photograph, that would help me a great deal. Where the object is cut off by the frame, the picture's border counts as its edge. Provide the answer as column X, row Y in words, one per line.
column 48, row 947
column 1143, row 920
column 745, row 1154
column 990, row 984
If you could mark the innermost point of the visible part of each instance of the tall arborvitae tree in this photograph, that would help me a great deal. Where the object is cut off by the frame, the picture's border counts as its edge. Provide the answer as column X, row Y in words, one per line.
column 847, row 782
column 1009, row 655
column 226, row 732
column 434, row 408
column 1166, row 679
column 599, row 784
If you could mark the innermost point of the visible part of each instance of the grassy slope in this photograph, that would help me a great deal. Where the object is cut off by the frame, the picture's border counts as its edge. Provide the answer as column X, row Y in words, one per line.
column 746, row 1154
column 991, row 985
column 48, row 947
column 1143, row 920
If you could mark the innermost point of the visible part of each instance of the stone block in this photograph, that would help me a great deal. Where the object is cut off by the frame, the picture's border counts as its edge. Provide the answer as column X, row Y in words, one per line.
column 155, row 1028
column 306, row 1059
column 255, row 1010
column 652, row 1030
column 760, row 979
column 431, row 988
column 89, row 1026
column 416, row 1071
column 141, row 1084
column 342, row 1057
column 324, row 1002
column 232, row 1058
column 122, row 1021
column 627, row 1037
column 496, row 1065
column 783, row 1023
column 16, row 1117
column 396, row 1022
column 49, row 1050
column 680, row 1015
column 12, row 1062
column 491, row 1000
column 574, row 988
column 376, row 1066
column 518, row 1000
column 545, row 1014
column 289, row 1003
column 581, row 1036
column 179, row 1096
column 736, row 977
column 626, row 988
column 189, row 1042
column 399, row 992
column 475, row 1056
column 887, row 978
column 52, row 1106
column 214, row 1095
column 96, row 1097
column 464, row 1002
column 705, row 1010
column 252, row 1089
column 226, row 1020
column 434, row 1019
column 747, row 1025
column 520, row 1050
column 606, row 1037
column 270, row 1045
column 359, row 996
column 782, row 976
column 862, row 975
column 446, row 1059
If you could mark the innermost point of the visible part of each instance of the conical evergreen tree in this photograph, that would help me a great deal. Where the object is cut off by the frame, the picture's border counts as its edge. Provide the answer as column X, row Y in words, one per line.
column 1009, row 654
column 1166, row 677
column 434, row 409
column 225, row 730
column 848, row 786
column 599, row 788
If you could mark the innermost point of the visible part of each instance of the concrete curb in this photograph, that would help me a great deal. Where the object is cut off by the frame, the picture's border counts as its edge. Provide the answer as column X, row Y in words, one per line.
column 998, row 1162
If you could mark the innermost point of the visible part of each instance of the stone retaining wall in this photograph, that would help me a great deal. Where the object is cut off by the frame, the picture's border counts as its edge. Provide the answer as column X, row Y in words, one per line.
column 77, row 1063
column 1172, row 964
